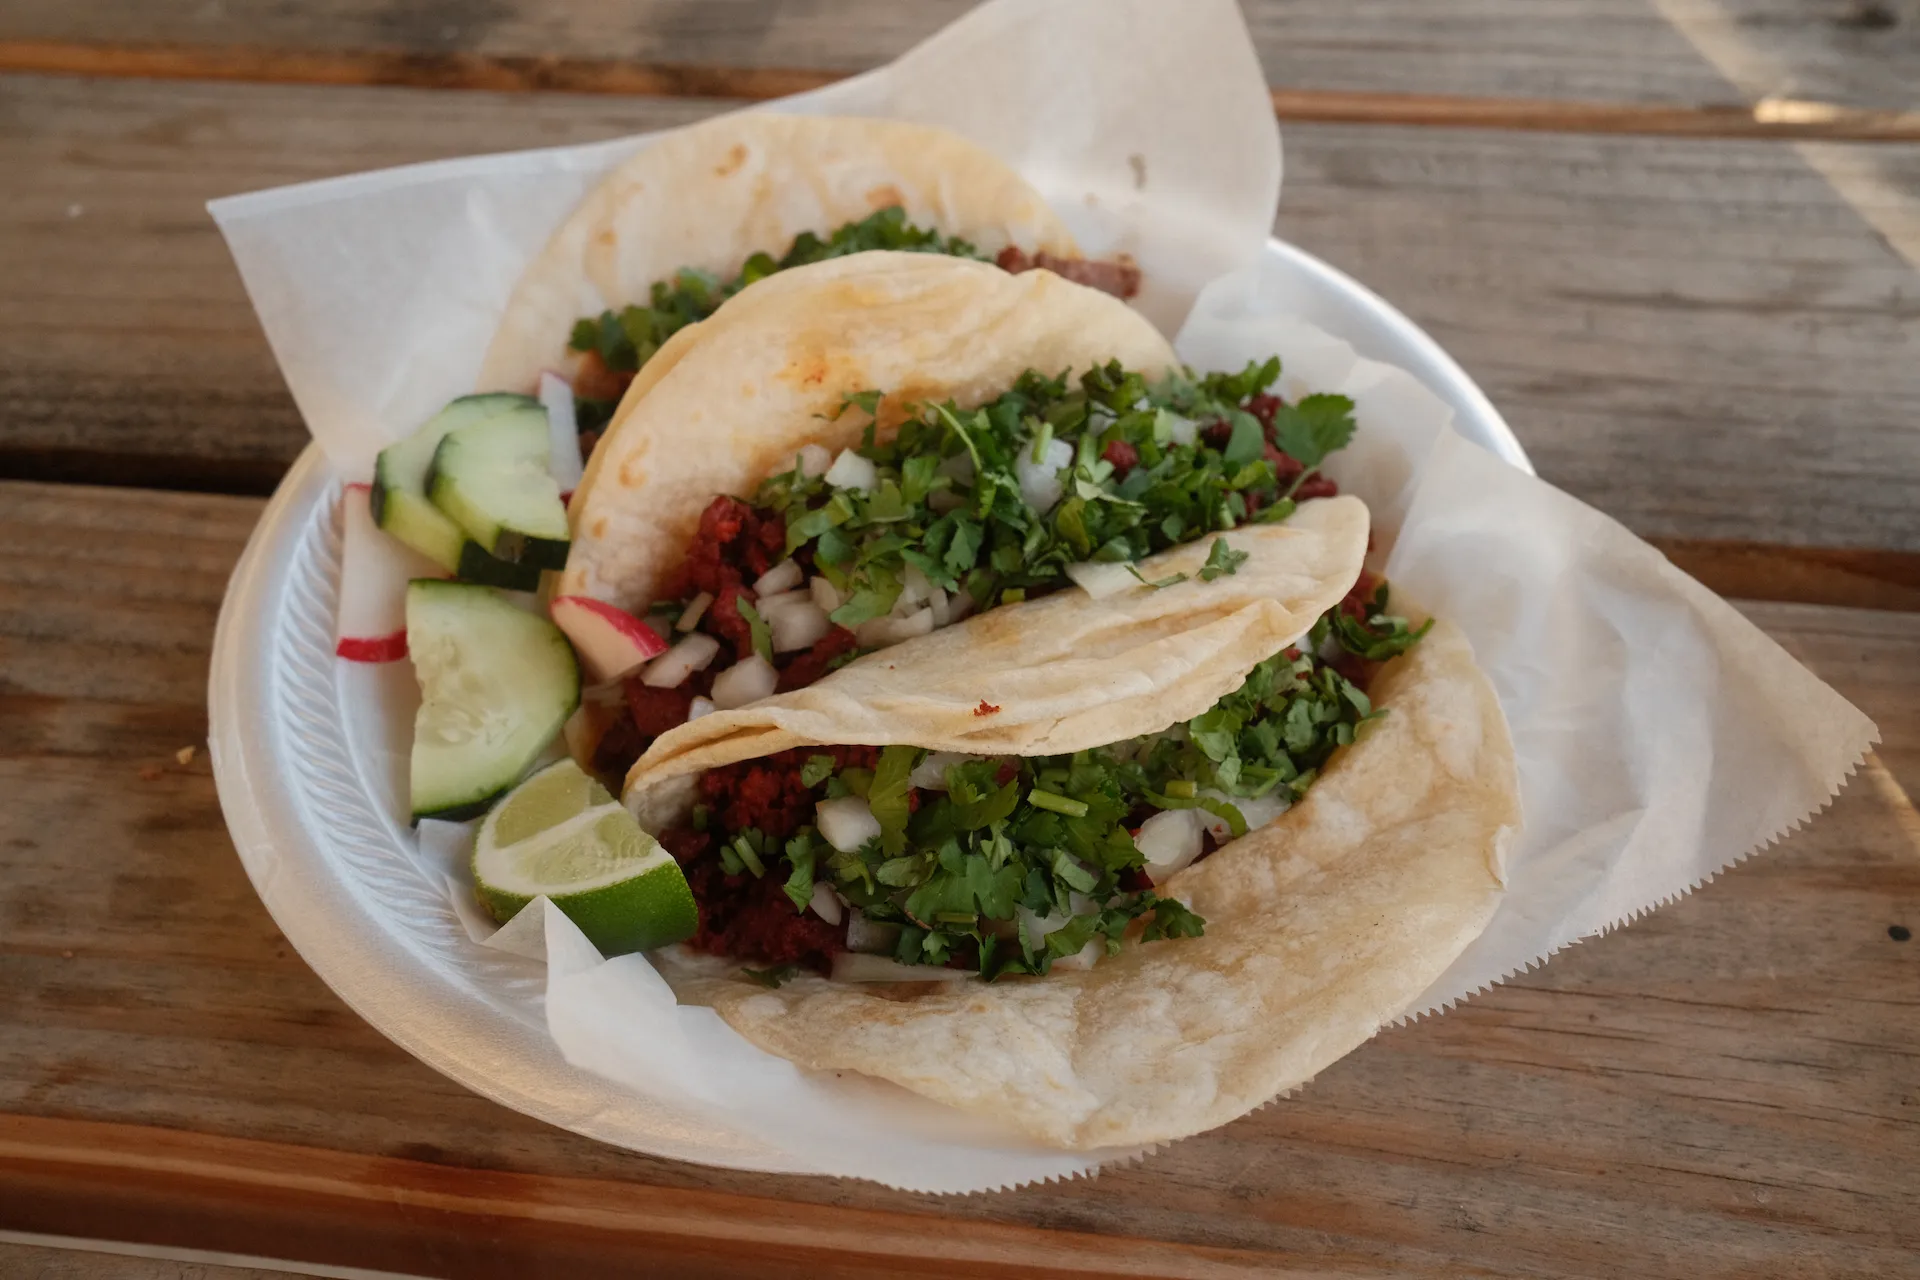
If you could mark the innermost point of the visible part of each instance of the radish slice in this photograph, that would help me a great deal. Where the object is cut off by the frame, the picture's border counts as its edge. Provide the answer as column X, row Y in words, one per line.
column 1100, row 580
column 851, row 471
column 748, row 680
column 611, row 642
column 855, row 966
column 845, row 823
column 864, row 934
column 672, row 669
column 1169, row 840
column 797, row 625
column 825, row 903
column 563, row 432
column 784, row 576
column 370, row 624
column 690, row 616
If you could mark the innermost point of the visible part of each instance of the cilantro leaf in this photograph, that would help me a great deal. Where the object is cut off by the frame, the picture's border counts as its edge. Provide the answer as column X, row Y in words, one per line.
column 887, row 795
column 800, row 853
column 762, row 637
column 1222, row 560
column 816, row 770
column 1307, row 432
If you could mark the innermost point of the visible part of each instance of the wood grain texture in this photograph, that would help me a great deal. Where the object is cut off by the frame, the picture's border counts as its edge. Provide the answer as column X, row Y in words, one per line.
column 1863, row 53
column 1604, row 291
column 1725, row 1088
column 40, row 1262
column 546, row 73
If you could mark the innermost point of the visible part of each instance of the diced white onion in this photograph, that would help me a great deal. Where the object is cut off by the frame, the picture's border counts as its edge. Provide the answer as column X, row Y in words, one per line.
column 1036, row 927
column 915, row 590
column 851, row 471
column 700, row 707
column 1040, row 481
column 878, row 633
column 942, row 609
column 694, row 652
column 563, row 431
column 825, row 903
column 1258, row 813
column 784, row 576
column 855, row 966
column 1169, row 840
column 845, row 823
column 768, row 604
column 748, row 680
column 1085, row 958
column 931, row 773
column 825, row 594
column 1100, row 580
column 690, row 616
column 799, row 624
column 1183, row 430
column 814, row 459
column 870, row 935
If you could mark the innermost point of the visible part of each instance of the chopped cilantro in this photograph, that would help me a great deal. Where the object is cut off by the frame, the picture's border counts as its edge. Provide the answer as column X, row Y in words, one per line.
column 757, row 627
column 816, row 770
column 776, row 976
column 1222, row 560
column 1307, row 432
column 627, row 340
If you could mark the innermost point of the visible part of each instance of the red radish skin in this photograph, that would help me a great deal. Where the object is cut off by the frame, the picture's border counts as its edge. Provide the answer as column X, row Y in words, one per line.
column 370, row 623
column 376, row 649
column 611, row 642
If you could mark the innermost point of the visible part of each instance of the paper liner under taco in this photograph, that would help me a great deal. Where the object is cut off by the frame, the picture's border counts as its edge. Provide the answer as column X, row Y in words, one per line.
column 711, row 195
column 728, row 402
column 1322, row 926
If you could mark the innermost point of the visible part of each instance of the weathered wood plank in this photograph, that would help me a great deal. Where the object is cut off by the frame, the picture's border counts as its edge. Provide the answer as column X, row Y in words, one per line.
column 1856, row 52
column 1604, row 290
column 41, row 1262
column 1722, row 1088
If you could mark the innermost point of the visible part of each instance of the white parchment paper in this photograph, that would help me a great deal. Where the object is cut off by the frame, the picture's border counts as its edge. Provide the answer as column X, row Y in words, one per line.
column 1660, row 736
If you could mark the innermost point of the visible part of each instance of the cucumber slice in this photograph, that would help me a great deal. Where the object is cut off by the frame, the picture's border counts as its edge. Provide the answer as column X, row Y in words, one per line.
column 496, row 685
column 492, row 477
column 401, row 507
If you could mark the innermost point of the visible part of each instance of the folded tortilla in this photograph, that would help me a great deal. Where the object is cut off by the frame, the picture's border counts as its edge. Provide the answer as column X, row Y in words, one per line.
column 730, row 401
column 1061, row 673
column 1322, row 926
column 712, row 195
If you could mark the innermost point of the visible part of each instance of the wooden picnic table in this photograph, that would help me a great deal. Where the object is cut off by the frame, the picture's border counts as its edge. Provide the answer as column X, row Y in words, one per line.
column 1678, row 243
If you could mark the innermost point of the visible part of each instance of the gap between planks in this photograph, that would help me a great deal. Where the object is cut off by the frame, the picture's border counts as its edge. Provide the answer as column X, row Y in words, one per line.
column 1780, row 118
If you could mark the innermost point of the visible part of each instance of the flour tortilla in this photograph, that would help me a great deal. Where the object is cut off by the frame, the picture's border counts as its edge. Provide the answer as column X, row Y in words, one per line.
column 712, row 195
column 728, row 402
column 1061, row 673
column 1321, row 927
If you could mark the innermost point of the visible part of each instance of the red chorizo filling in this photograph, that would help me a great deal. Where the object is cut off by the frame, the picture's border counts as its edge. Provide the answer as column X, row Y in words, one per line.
column 964, row 509
column 858, row 860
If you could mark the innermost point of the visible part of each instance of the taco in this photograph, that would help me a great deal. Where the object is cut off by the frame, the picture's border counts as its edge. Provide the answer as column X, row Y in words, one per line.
column 1174, row 861
column 703, row 212
column 864, row 451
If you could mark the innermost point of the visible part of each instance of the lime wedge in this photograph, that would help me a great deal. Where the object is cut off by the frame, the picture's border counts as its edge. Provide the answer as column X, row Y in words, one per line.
column 563, row 835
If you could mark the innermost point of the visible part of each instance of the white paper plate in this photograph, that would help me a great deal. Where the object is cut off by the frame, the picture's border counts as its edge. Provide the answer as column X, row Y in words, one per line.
column 310, row 791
